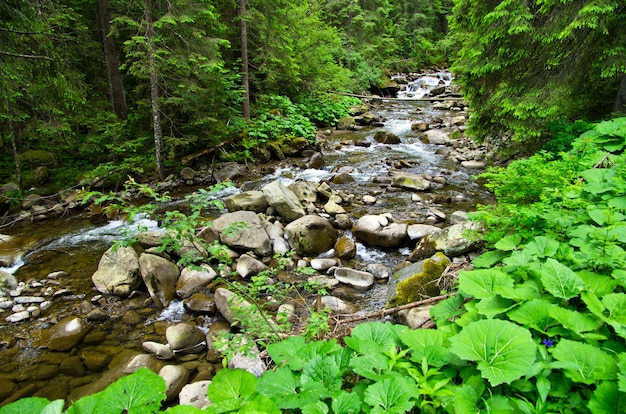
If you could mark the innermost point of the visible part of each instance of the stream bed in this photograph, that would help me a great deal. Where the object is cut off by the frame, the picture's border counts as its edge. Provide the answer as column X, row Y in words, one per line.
column 59, row 255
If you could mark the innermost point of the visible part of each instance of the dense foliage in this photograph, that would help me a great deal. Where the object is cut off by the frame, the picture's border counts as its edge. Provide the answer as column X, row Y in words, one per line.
column 96, row 86
column 523, row 64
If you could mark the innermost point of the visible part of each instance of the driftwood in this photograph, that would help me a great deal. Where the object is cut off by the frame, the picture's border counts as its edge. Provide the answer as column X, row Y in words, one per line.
column 385, row 312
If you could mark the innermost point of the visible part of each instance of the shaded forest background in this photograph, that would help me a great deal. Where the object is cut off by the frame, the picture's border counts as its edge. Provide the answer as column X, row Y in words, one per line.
column 88, row 89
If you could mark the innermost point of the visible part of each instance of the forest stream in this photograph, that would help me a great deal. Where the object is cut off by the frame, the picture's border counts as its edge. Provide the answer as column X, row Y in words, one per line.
column 63, row 253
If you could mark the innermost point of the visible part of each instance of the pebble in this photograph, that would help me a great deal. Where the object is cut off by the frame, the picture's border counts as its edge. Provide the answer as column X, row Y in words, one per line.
column 17, row 317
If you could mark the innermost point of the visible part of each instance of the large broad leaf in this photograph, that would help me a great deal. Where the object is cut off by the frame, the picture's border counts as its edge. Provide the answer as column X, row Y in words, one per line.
column 447, row 310
column 574, row 321
column 534, row 314
column 430, row 345
column 393, row 395
column 281, row 386
column 232, row 385
column 31, row 405
column 374, row 337
column 542, row 246
column 607, row 399
column 494, row 306
column 560, row 280
column 282, row 352
column 615, row 303
column 503, row 350
column 489, row 259
column 140, row 392
column 508, row 243
column 484, row 283
column 597, row 284
column 324, row 371
column 346, row 403
column 584, row 363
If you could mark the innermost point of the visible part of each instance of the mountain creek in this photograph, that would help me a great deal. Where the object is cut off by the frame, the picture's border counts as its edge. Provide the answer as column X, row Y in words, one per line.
column 61, row 338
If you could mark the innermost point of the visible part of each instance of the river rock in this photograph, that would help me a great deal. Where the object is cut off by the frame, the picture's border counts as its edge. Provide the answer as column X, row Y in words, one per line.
column 473, row 165
column 337, row 305
column 386, row 137
column 322, row 264
column 274, row 230
column 325, row 281
column 188, row 173
column 95, row 361
column 311, row 235
column 185, row 338
column 411, row 182
column 355, row 278
column 161, row 351
column 306, row 191
column 458, row 217
column 192, row 279
column 225, row 299
column 316, row 161
column 417, row 281
column 281, row 246
column 160, row 277
column 378, row 231
column 453, row 241
column 72, row 366
column 435, row 136
column 378, row 270
column 228, row 172
column 345, row 248
column 143, row 361
column 118, row 272
column 201, row 303
column 66, row 334
column 251, row 237
column 249, row 266
column 283, row 200
column 419, row 231
column 195, row 394
column 249, row 201
column 251, row 361
column 8, row 282
column 175, row 377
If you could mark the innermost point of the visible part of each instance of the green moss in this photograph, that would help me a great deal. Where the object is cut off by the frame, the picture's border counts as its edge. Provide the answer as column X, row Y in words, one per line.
column 418, row 281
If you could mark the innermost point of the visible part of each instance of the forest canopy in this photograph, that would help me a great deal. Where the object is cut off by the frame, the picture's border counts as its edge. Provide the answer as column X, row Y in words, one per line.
column 90, row 88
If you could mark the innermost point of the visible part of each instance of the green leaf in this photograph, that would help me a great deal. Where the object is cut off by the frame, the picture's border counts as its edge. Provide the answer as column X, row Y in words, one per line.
column 534, row 314
column 184, row 409
column 495, row 305
column 560, row 280
column 607, row 399
column 542, row 246
column 323, row 370
column 509, row 243
column 373, row 337
column 484, row 283
column 615, row 303
column 584, row 363
column 392, row 395
column 29, row 405
column 140, row 392
column 574, row 321
column 448, row 309
column 596, row 283
column 489, row 259
column 232, row 384
column 318, row 407
column 374, row 366
column 430, row 345
column 282, row 352
column 346, row 403
column 260, row 404
column 281, row 385
column 503, row 350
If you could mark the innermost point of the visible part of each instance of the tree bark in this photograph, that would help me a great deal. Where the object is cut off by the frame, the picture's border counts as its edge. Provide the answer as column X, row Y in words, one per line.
column 620, row 100
column 244, row 60
column 116, row 88
column 154, row 92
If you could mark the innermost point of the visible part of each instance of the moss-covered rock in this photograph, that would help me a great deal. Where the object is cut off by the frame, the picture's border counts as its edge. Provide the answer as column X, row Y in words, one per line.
column 37, row 158
column 417, row 281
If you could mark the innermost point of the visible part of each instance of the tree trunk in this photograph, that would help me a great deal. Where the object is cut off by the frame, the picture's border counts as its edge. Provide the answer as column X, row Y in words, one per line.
column 116, row 89
column 154, row 93
column 620, row 100
column 244, row 60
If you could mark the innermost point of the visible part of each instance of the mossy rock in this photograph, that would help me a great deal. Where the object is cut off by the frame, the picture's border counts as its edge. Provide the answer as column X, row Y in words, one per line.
column 293, row 145
column 37, row 158
column 417, row 281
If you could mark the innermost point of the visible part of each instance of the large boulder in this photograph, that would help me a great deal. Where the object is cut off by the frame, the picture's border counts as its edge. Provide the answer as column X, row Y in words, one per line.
column 417, row 281
column 379, row 231
column 250, row 236
column 311, row 235
column 435, row 136
column 283, row 200
column 452, row 241
column 160, row 277
column 118, row 272
column 248, row 201
column 386, row 137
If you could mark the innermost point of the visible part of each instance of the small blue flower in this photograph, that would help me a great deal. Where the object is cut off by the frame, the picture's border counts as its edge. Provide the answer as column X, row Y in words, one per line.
column 547, row 342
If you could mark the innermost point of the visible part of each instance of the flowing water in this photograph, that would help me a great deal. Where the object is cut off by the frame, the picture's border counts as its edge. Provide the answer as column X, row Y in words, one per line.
column 74, row 245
